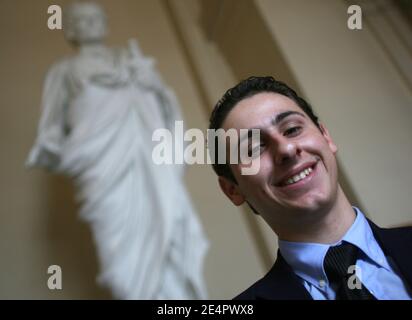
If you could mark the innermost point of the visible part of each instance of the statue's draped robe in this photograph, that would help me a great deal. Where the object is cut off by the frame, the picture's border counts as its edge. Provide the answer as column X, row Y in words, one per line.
column 96, row 126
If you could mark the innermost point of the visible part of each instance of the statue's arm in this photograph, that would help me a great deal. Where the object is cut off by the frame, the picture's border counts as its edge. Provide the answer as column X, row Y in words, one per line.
column 47, row 148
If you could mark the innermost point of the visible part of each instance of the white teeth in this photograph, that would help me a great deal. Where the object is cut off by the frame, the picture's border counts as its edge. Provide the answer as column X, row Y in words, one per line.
column 303, row 174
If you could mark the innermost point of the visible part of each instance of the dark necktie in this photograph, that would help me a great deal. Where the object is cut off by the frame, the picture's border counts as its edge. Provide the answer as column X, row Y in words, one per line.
column 337, row 261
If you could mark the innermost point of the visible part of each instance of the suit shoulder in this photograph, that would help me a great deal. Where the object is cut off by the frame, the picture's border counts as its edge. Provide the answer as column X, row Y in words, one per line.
column 270, row 285
column 250, row 293
column 405, row 230
column 403, row 233
column 400, row 237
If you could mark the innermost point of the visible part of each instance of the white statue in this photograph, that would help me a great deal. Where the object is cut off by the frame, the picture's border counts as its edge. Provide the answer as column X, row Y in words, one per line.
column 100, row 108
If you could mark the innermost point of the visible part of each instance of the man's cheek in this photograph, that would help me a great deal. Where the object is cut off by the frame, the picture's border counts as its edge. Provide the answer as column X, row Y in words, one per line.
column 313, row 144
column 250, row 167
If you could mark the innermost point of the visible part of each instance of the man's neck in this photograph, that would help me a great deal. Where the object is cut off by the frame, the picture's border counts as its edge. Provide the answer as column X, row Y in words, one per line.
column 324, row 227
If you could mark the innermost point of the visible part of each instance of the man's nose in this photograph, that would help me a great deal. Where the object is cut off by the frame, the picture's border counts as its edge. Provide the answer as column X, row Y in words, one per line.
column 285, row 151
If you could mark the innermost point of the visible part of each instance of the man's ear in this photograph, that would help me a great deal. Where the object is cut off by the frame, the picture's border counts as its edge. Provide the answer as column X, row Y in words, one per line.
column 231, row 190
column 328, row 138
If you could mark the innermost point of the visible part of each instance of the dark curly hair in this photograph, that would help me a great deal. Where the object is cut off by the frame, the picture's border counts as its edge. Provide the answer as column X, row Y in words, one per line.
column 244, row 89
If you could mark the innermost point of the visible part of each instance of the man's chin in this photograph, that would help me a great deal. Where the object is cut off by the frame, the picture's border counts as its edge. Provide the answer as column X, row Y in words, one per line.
column 308, row 207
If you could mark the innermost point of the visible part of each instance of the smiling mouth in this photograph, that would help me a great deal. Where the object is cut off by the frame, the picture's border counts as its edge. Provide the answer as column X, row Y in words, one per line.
column 302, row 175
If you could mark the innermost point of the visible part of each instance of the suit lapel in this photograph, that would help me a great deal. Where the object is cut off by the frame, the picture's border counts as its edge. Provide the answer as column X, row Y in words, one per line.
column 281, row 283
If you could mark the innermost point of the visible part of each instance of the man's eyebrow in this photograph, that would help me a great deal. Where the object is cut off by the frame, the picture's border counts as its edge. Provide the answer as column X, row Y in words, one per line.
column 280, row 116
column 275, row 121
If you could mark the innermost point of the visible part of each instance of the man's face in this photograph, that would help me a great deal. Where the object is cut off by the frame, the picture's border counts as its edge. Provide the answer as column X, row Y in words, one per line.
column 298, row 171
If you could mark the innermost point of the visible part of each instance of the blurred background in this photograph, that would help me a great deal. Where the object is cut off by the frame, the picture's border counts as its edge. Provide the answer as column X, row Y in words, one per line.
column 358, row 81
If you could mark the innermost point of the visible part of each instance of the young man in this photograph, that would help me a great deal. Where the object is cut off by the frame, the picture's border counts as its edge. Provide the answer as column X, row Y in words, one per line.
column 327, row 248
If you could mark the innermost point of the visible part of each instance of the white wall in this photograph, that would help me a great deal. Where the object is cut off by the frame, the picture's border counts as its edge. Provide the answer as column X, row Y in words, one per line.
column 359, row 94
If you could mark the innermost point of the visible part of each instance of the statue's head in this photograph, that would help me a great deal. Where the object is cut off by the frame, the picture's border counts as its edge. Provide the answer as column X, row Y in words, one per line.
column 84, row 22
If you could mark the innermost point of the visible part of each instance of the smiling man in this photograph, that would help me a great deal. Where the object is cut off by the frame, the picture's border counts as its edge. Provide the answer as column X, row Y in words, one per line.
column 327, row 248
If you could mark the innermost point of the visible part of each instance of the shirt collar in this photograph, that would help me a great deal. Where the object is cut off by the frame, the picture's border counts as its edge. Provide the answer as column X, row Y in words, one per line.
column 360, row 234
column 306, row 259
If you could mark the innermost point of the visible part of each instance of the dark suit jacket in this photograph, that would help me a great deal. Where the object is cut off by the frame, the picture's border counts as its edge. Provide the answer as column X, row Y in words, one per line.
column 281, row 283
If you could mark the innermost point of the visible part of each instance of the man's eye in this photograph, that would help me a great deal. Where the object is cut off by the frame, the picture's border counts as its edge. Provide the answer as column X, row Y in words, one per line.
column 293, row 131
column 256, row 150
